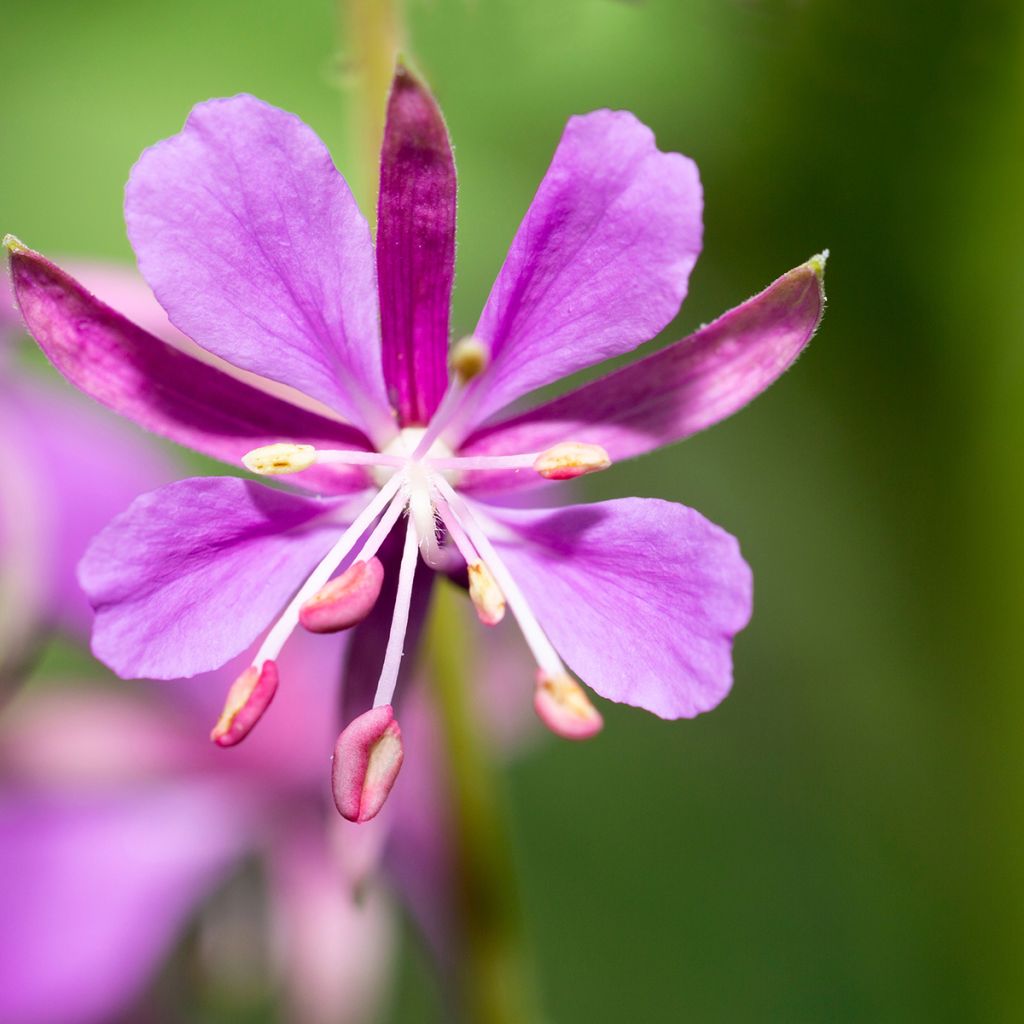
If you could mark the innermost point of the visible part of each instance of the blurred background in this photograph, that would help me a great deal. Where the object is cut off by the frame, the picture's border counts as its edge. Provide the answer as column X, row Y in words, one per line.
column 841, row 839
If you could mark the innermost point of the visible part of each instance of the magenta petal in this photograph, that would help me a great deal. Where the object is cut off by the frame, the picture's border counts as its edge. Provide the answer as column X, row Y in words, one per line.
column 252, row 242
column 96, row 890
column 415, row 249
column 600, row 263
column 160, row 387
column 191, row 574
column 676, row 392
column 640, row 597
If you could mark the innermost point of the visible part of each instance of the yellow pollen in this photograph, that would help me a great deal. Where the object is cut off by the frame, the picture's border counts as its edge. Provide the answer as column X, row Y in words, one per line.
column 469, row 358
column 568, row 695
column 277, row 459
column 486, row 595
column 239, row 694
column 571, row 459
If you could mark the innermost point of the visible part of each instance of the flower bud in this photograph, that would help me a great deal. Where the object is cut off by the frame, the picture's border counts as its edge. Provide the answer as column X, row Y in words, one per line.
column 344, row 601
column 571, row 459
column 250, row 695
column 367, row 758
column 564, row 707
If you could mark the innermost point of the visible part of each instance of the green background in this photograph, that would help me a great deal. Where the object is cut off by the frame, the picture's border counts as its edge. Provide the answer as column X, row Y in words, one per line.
column 841, row 840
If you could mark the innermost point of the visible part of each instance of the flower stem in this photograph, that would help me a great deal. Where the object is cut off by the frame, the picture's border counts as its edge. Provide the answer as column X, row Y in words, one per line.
column 495, row 983
column 372, row 37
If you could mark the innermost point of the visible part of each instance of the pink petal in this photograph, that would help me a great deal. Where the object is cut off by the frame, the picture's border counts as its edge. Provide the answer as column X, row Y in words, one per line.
column 252, row 242
column 674, row 393
column 600, row 263
column 640, row 597
column 191, row 574
column 97, row 889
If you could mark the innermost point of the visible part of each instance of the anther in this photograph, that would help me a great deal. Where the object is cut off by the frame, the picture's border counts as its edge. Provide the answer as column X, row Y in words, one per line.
column 346, row 600
column 571, row 459
column 367, row 758
column 564, row 707
column 250, row 695
column 469, row 358
column 486, row 595
column 277, row 459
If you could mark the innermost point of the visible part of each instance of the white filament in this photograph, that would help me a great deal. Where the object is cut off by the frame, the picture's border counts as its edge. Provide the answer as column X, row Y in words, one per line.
column 399, row 621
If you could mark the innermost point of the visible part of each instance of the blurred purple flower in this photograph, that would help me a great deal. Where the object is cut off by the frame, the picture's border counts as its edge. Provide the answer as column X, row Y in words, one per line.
column 117, row 821
column 253, row 244
column 69, row 469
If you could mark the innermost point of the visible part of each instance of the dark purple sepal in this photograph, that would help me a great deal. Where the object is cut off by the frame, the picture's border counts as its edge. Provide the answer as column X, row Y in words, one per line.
column 163, row 388
column 415, row 249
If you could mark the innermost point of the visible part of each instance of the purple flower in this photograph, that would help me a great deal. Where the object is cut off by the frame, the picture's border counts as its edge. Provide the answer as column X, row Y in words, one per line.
column 253, row 244
column 68, row 470
column 118, row 823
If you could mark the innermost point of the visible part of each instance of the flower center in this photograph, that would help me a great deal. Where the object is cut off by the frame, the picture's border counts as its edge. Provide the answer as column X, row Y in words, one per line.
column 403, row 446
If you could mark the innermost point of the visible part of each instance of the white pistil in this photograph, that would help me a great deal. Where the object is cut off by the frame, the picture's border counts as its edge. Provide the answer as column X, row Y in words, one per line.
column 421, row 512
column 536, row 639
column 399, row 620
column 285, row 625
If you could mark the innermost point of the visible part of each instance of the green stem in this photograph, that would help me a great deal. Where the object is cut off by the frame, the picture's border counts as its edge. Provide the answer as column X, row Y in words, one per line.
column 494, row 977
column 372, row 37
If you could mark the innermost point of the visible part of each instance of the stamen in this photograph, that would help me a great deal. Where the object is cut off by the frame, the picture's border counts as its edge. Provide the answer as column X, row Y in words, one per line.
column 383, row 528
column 571, row 459
column 469, row 358
column 367, row 758
column 563, row 706
column 486, row 595
column 399, row 621
column 537, row 641
column 342, row 456
column 468, row 462
column 562, row 462
column 344, row 601
column 278, row 459
column 250, row 695
column 289, row 619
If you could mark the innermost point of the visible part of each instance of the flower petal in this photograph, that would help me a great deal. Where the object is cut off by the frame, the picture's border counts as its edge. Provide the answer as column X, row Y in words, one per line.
column 600, row 263
column 252, row 242
column 160, row 387
column 641, row 597
column 96, row 891
column 190, row 574
column 675, row 392
column 415, row 249
column 84, row 469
